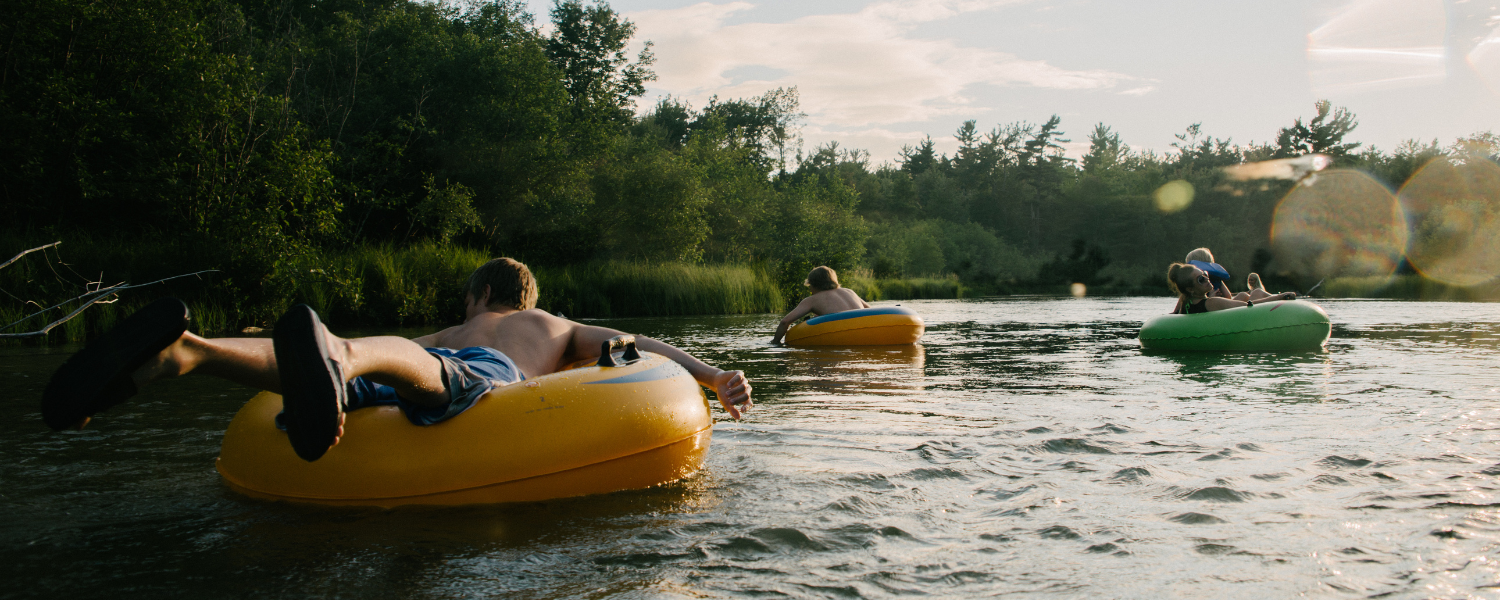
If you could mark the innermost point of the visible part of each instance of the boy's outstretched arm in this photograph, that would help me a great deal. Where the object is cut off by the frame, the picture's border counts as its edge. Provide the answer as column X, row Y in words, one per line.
column 732, row 387
column 803, row 307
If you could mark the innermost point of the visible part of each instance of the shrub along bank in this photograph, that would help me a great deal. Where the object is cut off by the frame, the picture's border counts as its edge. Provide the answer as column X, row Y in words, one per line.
column 421, row 285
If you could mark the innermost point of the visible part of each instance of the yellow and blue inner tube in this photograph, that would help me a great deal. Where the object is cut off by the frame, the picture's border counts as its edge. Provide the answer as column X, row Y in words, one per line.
column 876, row 326
column 585, row 430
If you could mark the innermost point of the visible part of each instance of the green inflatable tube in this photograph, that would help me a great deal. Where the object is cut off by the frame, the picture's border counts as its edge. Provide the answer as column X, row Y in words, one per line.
column 1290, row 326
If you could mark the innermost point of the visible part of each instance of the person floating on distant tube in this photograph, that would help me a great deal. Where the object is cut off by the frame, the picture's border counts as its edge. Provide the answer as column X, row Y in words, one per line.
column 827, row 298
column 1219, row 278
column 845, row 319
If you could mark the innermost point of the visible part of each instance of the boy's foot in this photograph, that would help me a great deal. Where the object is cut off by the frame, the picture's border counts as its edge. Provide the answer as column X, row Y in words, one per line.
column 99, row 376
column 1254, row 282
column 312, row 383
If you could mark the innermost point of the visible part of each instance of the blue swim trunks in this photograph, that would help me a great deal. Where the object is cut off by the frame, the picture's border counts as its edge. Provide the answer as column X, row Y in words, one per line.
column 468, row 373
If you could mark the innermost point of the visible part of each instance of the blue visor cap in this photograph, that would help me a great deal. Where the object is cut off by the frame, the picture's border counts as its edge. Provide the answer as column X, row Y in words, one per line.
column 1215, row 272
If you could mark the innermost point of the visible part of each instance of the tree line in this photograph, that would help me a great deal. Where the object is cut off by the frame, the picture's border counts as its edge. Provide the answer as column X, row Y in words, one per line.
column 254, row 136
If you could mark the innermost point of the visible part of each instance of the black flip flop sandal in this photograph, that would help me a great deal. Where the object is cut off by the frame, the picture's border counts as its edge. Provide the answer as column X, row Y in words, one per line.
column 312, row 385
column 99, row 376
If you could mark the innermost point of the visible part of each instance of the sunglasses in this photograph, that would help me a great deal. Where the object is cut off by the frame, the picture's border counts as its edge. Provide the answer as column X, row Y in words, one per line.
column 1202, row 279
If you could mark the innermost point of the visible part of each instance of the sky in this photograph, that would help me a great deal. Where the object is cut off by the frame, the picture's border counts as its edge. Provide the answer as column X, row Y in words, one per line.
column 879, row 75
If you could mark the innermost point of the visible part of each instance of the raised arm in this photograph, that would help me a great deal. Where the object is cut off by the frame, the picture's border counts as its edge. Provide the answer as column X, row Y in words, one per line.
column 1215, row 303
column 803, row 307
column 732, row 387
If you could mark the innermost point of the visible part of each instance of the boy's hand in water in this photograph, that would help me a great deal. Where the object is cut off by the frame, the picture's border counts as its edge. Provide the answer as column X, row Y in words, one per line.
column 734, row 392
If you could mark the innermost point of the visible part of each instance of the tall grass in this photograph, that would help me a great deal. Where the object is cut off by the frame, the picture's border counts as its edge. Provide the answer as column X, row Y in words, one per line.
column 209, row 319
column 417, row 285
column 870, row 288
column 607, row 289
column 381, row 285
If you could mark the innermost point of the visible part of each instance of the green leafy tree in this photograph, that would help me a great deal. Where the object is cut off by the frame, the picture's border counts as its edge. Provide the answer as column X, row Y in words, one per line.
column 1106, row 151
column 812, row 222
column 149, row 120
column 1042, row 169
column 1323, row 134
column 920, row 159
column 942, row 197
column 669, row 122
column 651, row 206
column 764, row 125
column 588, row 46
column 1201, row 153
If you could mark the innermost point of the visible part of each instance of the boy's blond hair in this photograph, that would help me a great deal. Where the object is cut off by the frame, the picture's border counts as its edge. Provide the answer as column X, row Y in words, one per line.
column 510, row 283
column 822, row 279
column 1201, row 254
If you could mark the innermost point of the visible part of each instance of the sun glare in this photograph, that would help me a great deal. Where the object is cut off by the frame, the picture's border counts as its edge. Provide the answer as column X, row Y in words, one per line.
column 1174, row 196
column 1455, row 215
column 1345, row 224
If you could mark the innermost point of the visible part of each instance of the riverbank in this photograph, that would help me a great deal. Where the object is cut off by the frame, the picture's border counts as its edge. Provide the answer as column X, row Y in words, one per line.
column 422, row 285
column 1409, row 287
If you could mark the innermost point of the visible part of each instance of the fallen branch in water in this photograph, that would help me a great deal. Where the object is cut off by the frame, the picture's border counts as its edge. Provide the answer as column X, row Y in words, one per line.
column 98, row 295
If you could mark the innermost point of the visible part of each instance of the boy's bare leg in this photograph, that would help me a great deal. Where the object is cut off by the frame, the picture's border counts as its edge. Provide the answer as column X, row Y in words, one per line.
column 246, row 361
column 394, row 361
column 314, row 367
column 388, row 360
column 86, row 384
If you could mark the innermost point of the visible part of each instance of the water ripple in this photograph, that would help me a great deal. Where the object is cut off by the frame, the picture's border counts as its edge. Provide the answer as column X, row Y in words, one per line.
column 1027, row 448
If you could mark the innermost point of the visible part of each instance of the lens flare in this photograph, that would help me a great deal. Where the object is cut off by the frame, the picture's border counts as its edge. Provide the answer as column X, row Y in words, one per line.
column 1375, row 45
column 1291, row 169
column 1174, row 196
column 1344, row 225
column 1455, row 214
column 1485, row 60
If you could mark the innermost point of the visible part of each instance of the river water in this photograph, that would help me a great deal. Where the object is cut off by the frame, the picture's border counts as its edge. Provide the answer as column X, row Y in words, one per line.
column 1026, row 448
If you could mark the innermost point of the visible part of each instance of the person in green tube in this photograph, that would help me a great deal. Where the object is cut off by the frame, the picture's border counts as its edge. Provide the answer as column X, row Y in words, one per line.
column 1204, row 259
column 320, row 376
column 1196, row 291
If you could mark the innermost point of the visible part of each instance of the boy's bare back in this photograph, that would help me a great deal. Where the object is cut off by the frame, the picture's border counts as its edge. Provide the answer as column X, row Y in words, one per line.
column 825, row 302
column 835, row 300
column 539, row 343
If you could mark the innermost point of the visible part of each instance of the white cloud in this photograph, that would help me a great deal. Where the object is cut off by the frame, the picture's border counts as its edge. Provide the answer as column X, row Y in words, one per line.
column 859, row 69
column 921, row 11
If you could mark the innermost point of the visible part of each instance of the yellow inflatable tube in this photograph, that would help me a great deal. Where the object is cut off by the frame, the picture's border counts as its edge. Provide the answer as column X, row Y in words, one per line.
column 585, row 430
column 886, row 325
